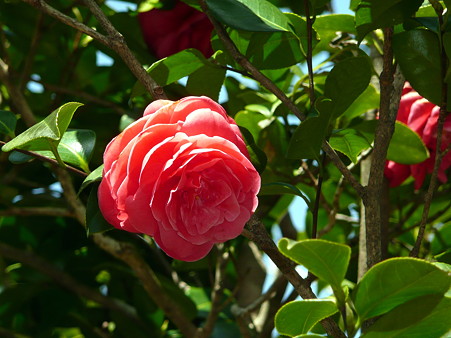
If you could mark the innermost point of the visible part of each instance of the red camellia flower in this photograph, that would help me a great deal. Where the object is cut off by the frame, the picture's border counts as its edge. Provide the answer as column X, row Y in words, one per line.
column 422, row 117
column 167, row 32
column 182, row 175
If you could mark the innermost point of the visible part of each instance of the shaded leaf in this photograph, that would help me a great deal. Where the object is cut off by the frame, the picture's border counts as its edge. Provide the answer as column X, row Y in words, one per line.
column 396, row 281
column 373, row 14
column 349, row 142
column 94, row 219
column 279, row 188
column 94, row 176
column 8, row 123
column 327, row 27
column 418, row 54
column 426, row 316
column 207, row 81
column 346, row 81
column 299, row 317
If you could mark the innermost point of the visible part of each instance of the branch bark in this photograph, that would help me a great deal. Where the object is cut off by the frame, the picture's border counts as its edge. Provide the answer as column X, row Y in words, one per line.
column 113, row 40
column 389, row 104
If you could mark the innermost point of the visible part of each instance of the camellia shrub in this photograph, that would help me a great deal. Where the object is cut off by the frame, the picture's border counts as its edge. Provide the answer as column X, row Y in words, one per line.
column 220, row 168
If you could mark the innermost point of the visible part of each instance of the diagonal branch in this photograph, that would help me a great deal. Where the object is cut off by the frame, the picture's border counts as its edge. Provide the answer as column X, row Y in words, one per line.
column 269, row 85
column 113, row 40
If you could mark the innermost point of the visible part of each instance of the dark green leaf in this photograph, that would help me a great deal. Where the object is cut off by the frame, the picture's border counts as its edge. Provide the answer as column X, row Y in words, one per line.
column 46, row 133
column 373, row 14
column 299, row 317
column 261, row 16
column 326, row 260
column 94, row 219
column 207, row 81
column 346, row 81
column 258, row 156
column 418, row 54
column 7, row 123
column 308, row 137
column 406, row 146
column 396, row 281
column 426, row 316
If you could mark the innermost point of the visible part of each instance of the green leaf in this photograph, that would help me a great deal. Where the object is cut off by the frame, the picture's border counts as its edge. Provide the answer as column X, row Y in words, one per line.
column 349, row 142
column 299, row 317
column 279, row 188
column 46, row 134
column 346, row 81
column 207, row 81
column 172, row 68
column 94, row 219
column 368, row 100
column 426, row 316
column 406, row 146
column 7, row 123
column 309, row 135
column 374, row 14
column 258, row 156
column 327, row 27
column 249, row 15
column 396, row 281
column 94, row 176
column 418, row 54
column 327, row 260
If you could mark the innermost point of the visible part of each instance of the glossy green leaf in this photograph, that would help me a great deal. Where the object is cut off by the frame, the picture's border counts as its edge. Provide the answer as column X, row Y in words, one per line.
column 418, row 54
column 249, row 15
column 75, row 148
column 94, row 219
column 327, row 27
column 207, row 81
column 94, row 176
column 309, row 135
column 346, row 81
column 253, row 121
column 172, row 68
column 326, row 260
column 406, row 146
column 426, row 316
column 349, row 142
column 46, row 134
column 373, row 14
column 7, row 123
column 396, row 281
column 299, row 317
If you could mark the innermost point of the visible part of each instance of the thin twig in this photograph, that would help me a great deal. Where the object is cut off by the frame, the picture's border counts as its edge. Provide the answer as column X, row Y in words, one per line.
column 113, row 40
column 439, row 154
column 269, row 85
column 48, row 160
column 311, row 89
column 68, row 282
column 37, row 211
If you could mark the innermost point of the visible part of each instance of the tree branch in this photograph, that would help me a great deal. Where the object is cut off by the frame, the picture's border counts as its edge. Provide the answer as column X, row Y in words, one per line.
column 113, row 40
column 257, row 233
column 389, row 104
column 65, row 280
